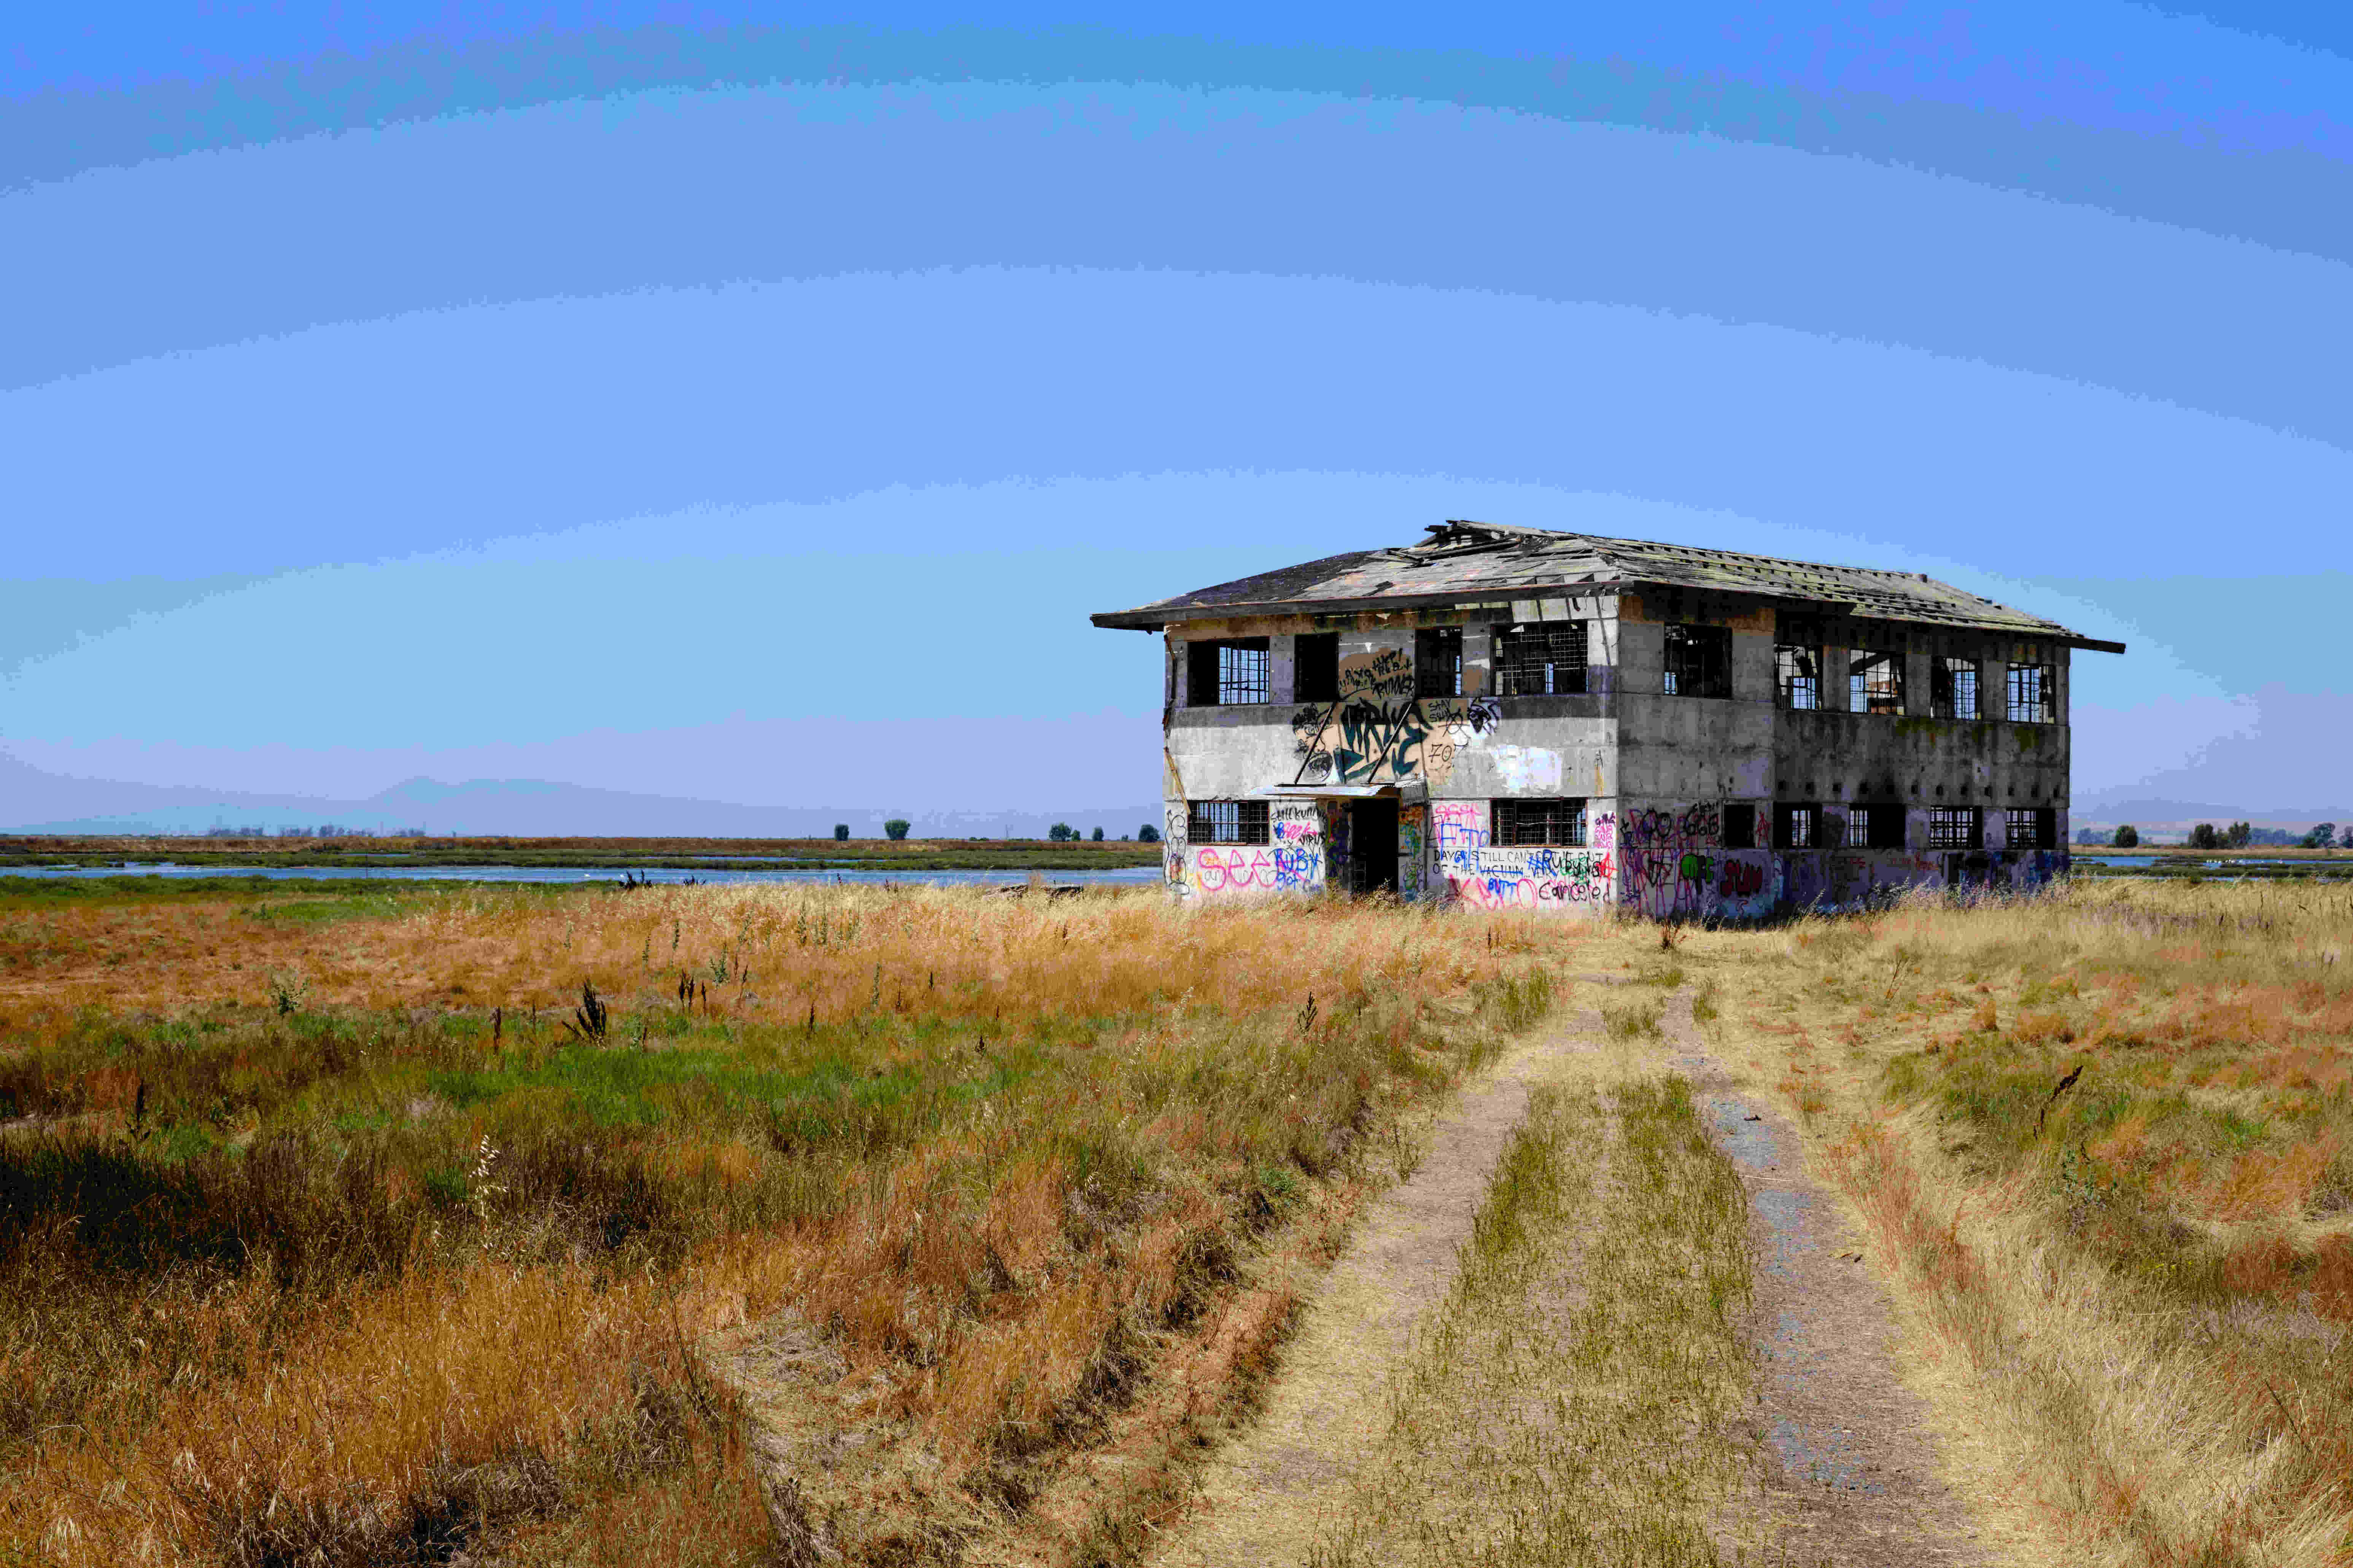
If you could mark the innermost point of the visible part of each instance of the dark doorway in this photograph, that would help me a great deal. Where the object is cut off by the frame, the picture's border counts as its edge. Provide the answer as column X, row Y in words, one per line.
column 1373, row 846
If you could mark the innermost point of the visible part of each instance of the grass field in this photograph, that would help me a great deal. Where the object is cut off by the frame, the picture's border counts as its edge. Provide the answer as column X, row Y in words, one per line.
column 351, row 1229
column 231, row 855
column 342, row 1226
column 2106, row 1143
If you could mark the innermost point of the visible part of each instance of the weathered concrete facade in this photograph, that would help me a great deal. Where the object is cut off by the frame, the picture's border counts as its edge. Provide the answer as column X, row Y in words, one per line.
column 1507, row 717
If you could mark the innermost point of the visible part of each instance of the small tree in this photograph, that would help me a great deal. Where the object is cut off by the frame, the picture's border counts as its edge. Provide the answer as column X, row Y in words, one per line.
column 1062, row 832
column 841, row 831
column 896, row 829
column 2322, row 837
column 2203, row 837
column 2235, row 837
column 1147, row 834
column 2128, row 838
column 1098, row 834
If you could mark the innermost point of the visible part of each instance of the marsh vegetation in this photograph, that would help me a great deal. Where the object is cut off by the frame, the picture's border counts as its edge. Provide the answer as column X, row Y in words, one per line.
column 386, row 1228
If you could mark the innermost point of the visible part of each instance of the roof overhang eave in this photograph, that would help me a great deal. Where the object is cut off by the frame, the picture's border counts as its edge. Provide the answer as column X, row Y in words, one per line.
column 1152, row 617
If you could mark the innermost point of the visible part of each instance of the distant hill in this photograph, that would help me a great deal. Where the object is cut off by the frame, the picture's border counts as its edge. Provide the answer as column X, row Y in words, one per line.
column 32, row 801
column 2106, row 808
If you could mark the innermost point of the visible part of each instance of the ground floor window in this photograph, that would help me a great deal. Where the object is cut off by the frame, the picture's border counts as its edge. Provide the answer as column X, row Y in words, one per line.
column 1226, row 822
column 1875, row 828
column 1954, row 827
column 2035, row 828
column 1740, row 825
column 1796, row 827
column 1560, row 822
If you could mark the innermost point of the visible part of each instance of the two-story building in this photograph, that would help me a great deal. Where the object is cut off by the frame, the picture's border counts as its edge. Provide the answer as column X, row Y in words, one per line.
column 1509, row 716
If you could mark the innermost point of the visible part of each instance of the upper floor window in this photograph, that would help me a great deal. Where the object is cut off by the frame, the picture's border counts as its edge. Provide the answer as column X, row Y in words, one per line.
column 1874, row 681
column 1798, row 673
column 1559, row 822
column 2031, row 828
column 1541, row 660
column 1438, row 662
column 1229, row 671
column 1226, row 822
column 1954, row 827
column 1797, row 825
column 1699, row 661
column 1952, row 687
column 1316, row 667
column 2033, row 697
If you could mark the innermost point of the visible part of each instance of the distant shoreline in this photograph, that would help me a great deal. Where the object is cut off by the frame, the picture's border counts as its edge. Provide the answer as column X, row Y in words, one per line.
column 602, row 854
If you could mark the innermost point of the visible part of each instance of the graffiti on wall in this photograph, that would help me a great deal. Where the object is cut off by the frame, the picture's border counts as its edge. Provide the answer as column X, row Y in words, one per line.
column 1669, row 856
column 1292, row 860
column 1410, row 827
column 1378, row 732
column 1298, row 831
column 1459, row 823
column 1533, row 876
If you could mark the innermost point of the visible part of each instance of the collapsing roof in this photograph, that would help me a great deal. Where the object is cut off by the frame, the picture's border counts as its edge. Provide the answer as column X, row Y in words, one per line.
column 1462, row 560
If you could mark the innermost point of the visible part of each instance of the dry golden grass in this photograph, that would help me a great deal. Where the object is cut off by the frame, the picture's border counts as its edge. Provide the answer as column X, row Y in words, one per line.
column 310, row 1259
column 1580, row 1399
column 2103, row 1139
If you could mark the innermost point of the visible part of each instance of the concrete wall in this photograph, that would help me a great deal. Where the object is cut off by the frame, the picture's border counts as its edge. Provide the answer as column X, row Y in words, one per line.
column 1656, row 771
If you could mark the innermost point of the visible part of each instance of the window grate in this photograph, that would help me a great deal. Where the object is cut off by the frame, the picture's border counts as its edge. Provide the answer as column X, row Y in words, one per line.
column 1874, row 681
column 1952, row 687
column 1877, row 827
column 1797, row 671
column 1699, row 662
column 1226, row 822
column 1796, row 827
column 1438, row 662
column 1541, row 661
column 1538, row 822
column 2031, row 828
column 2032, row 694
column 1953, row 827
column 1230, row 672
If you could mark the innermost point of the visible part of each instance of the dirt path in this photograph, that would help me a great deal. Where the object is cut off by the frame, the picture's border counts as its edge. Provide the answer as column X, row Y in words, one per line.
column 1265, row 1494
column 1858, row 1464
column 1855, row 1468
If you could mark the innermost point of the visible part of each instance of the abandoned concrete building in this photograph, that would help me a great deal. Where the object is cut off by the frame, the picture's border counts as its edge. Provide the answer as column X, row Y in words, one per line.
column 1514, row 717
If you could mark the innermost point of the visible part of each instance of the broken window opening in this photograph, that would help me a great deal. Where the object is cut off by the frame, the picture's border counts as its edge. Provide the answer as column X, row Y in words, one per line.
column 1875, row 828
column 1874, row 681
column 1226, row 822
column 1797, row 825
column 1740, row 825
column 1699, row 661
column 1952, row 687
column 1797, row 671
column 1954, row 827
column 1438, row 662
column 2030, row 828
column 2033, row 696
column 1538, row 822
column 1545, row 660
column 1316, row 667
column 1231, row 671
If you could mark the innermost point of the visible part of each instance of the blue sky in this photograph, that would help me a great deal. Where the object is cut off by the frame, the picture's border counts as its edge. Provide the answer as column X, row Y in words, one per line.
column 750, row 403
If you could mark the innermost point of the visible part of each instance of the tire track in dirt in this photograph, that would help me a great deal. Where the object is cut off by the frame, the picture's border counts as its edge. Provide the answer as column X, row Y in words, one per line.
column 1858, row 1466
column 1852, row 1466
column 1264, row 1497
